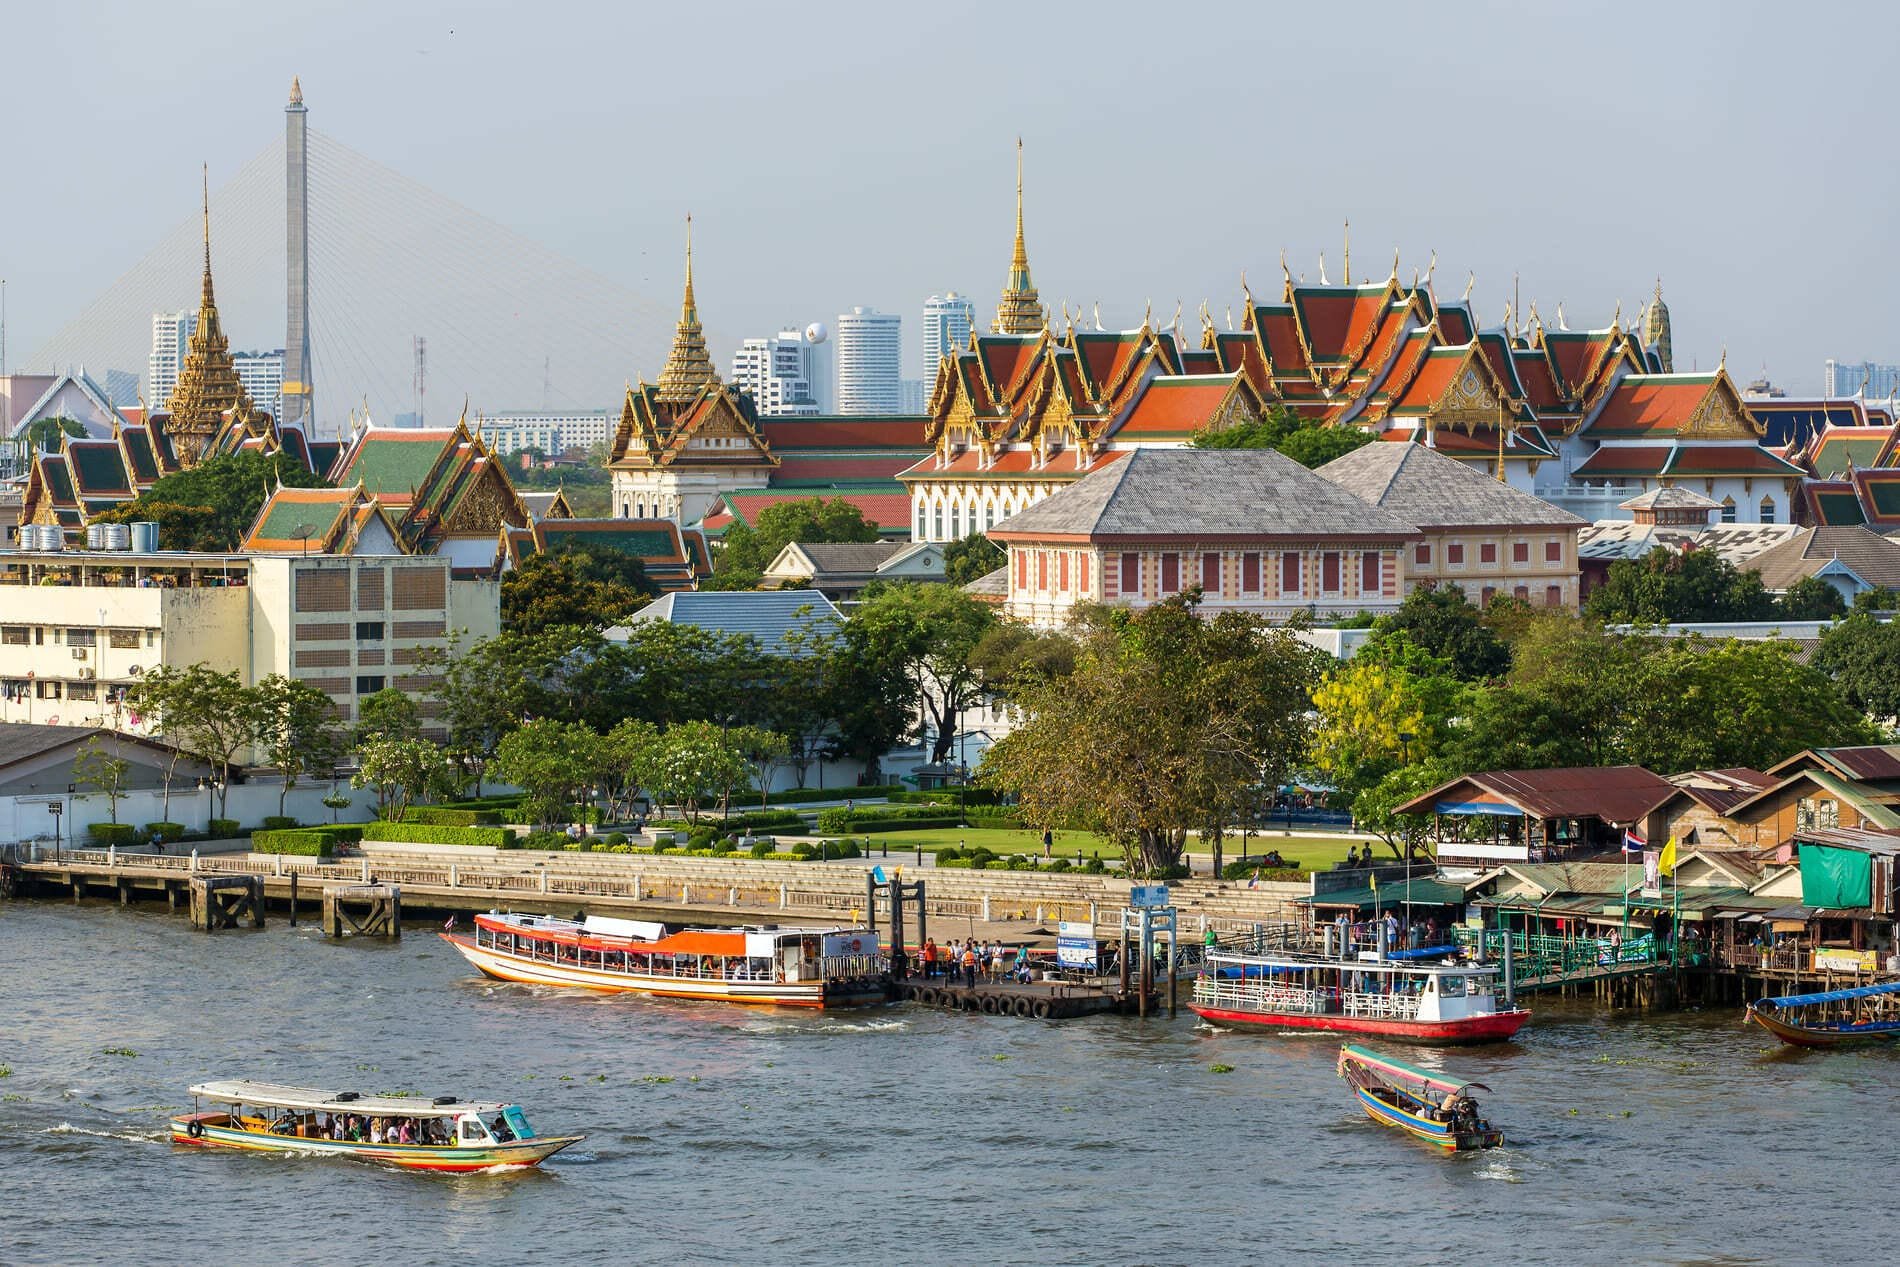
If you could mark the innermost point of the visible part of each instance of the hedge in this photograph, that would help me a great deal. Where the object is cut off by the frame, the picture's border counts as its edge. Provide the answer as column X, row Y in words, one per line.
column 167, row 831
column 113, row 833
column 786, row 821
column 220, row 828
column 429, row 834
column 950, row 796
column 298, row 841
column 839, row 820
column 865, row 825
column 443, row 816
column 277, row 822
column 801, row 795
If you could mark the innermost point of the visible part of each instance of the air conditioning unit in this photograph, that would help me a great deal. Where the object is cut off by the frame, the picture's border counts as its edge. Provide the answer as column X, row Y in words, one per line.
column 136, row 669
column 87, row 675
column 79, row 653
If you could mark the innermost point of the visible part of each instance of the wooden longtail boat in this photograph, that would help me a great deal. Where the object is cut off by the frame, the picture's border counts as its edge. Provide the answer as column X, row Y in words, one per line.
column 1863, row 1014
column 463, row 1135
column 1424, row 1105
column 1406, row 999
column 790, row 967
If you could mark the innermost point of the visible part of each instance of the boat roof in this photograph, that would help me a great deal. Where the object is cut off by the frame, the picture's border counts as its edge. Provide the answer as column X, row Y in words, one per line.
column 276, row 1095
column 1399, row 1069
column 1830, row 996
column 1390, row 964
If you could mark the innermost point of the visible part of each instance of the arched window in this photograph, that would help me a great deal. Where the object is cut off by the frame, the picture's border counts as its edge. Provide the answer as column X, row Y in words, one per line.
column 1768, row 510
column 1728, row 510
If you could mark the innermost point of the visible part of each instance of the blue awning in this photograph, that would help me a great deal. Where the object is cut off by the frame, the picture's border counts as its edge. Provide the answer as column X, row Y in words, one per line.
column 1831, row 996
column 1478, row 807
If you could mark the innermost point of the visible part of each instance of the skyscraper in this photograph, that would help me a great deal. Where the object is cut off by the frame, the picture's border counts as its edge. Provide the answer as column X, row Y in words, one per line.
column 869, row 351
column 262, row 374
column 1868, row 379
column 948, row 320
column 780, row 373
column 296, row 398
column 171, row 340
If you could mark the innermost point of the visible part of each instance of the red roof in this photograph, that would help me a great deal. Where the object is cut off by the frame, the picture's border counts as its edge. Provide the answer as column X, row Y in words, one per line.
column 824, row 470
column 1281, row 331
column 1640, row 459
column 1616, row 794
column 1727, row 459
column 1455, row 322
column 1436, row 374
column 844, row 433
column 1651, row 404
column 1338, row 321
column 1540, row 386
column 1178, row 406
column 1005, row 359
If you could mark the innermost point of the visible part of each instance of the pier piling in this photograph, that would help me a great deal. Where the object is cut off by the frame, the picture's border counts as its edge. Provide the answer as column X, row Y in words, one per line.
column 380, row 907
column 225, row 901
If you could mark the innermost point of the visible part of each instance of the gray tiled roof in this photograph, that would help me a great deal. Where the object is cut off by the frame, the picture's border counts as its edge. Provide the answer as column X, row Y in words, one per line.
column 1873, row 558
column 1669, row 497
column 1422, row 486
column 767, row 615
column 1207, row 492
column 850, row 556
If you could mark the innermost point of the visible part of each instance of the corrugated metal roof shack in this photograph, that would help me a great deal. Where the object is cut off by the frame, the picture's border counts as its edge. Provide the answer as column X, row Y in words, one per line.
column 1539, row 815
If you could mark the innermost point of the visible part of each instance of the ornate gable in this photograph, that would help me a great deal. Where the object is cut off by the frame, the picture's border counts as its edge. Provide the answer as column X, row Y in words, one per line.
column 1721, row 415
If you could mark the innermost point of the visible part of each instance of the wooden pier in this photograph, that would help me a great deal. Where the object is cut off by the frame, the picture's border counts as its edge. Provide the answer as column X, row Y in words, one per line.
column 1042, row 1000
column 217, row 901
column 362, row 910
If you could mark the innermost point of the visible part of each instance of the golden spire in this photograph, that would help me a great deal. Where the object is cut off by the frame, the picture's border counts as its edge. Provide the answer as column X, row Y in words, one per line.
column 1347, row 266
column 1019, row 311
column 296, row 91
column 688, row 368
column 208, row 386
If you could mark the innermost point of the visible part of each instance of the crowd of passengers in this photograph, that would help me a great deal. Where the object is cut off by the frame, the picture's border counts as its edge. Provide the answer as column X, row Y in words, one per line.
column 357, row 1129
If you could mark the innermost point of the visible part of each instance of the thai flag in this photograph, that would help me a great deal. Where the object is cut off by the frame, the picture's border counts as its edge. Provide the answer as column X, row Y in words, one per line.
column 1632, row 843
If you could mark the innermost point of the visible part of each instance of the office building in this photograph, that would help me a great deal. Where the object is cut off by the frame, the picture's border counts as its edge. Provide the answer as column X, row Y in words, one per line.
column 780, row 372
column 948, row 320
column 1866, row 379
column 171, row 342
column 869, row 351
column 551, row 433
column 262, row 374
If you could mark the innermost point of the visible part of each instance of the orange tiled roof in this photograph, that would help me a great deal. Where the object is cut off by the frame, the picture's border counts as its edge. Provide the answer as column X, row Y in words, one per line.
column 1651, row 405
column 1178, row 406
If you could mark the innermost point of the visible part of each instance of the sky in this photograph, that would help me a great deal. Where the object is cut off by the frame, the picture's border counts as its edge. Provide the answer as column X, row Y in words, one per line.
column 834, row 155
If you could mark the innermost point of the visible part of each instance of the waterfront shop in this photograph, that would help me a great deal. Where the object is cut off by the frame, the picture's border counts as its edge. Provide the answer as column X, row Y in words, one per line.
column 1539, row 816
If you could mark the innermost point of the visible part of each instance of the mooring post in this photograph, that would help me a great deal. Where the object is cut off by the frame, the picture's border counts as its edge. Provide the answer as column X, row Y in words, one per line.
column 293, row 899
column 781, row 897
column 923, row 913
column 1510, row 972
column 112, row 855
column 1173, row 961
column 870, row 900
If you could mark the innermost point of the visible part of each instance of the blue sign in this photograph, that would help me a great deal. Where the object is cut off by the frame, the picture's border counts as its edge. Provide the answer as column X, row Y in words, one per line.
column 877, row 875
column 1152, row 895
column 1075, row 945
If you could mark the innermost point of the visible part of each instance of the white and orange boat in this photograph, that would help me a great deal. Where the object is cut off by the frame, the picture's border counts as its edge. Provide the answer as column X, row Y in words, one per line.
column 447, row 1134
column 785, row 967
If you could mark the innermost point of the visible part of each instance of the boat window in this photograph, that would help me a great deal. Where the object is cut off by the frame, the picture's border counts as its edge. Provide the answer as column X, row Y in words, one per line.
column 1451, row 987
column 473, row 1132
column 518, row 1122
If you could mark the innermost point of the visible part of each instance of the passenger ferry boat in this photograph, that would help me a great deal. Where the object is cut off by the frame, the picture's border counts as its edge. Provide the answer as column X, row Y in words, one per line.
column 1411, row 999
column 787, row 967
column 1424, row 1105
column 448, row 1134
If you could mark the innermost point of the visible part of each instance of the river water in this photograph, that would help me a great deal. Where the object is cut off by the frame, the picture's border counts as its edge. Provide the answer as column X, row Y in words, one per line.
column 723, row 1135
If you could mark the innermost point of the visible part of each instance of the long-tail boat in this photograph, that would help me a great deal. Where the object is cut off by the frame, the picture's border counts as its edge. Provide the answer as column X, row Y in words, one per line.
column 1424, row 1105
column 1832, row 1017
column 444, row 1134
column 789, row 967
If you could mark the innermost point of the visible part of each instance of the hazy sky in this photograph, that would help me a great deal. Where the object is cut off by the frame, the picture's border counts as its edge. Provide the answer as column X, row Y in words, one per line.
column 834, row 155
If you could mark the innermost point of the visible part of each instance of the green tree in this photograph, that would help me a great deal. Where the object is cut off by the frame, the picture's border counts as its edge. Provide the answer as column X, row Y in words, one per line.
column 592, row 588
column 205, row 712
column 1811, row 598
column 1011, row 652
column 212, row 505
column 296, row 730
column 1374, row 808
column 1565, row 702
column 935, row 630
column 1307, row 442
column 1862, row 656
column 764, row 752
column 971, row 559
column 43, row 436
column 1443, row 624
column 402, row 770
column 1164, row 727
column 1387, row 710
column 548, row 760
column 388, row 714
column 1666, row 587
column 692, row 760
column 97, row 766
column 624, row 752
column 747, row 550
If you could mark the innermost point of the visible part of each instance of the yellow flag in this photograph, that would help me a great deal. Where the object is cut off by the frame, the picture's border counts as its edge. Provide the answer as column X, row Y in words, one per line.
column 1666, row 861
column 1373, row 879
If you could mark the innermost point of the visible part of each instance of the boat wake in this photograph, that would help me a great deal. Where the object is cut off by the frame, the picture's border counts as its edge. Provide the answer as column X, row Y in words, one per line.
column 826, row 1027
column 133, row 1137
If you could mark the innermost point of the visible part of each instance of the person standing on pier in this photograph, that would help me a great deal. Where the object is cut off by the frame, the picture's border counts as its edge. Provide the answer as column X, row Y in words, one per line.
column 969, row 965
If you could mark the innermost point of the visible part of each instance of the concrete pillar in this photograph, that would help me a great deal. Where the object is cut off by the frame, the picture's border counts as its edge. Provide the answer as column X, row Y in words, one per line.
column 455, row 878
column 781, row 897
column 986, row 908
column 544, row 879
column 194, row 860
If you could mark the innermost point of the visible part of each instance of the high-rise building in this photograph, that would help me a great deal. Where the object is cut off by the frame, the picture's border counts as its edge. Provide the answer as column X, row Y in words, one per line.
column 869, row 350
column 948, row 320
column 780, row 372
column 911, row 395
column 171, row 340
column 262, row 374
column 1869, row 380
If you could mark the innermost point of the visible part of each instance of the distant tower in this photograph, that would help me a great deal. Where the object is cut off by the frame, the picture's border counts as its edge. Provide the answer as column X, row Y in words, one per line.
column 208, row 386
column 297, row 390
column 948, row 320
column 1020, row 310
column 688, row 368
column 1656, row 330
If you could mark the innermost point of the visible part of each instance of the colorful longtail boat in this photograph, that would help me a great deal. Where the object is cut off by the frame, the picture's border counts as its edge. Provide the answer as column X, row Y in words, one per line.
column 1863, row 1014
column 1423, row 1104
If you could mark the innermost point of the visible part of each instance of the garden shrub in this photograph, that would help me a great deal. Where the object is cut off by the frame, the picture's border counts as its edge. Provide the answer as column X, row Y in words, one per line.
column 949, row 853
column 533, row 840
column 167, row 831
column 277, row 822
column 1094, row 866
column 113, row 833
column 616, row 838
column 223, row 828
column 443, row 816
column 301, row 842
column 761, row 849
column 430, row 834
column 803, row 849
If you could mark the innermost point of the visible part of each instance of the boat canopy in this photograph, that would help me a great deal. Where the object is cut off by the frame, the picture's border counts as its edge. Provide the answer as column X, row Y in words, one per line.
column 1408, row 1075
column 307, row 1099
column 1829, row 996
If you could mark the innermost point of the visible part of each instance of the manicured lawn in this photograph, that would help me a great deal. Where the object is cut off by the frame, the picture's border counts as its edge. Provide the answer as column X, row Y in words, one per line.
column 1312, row 852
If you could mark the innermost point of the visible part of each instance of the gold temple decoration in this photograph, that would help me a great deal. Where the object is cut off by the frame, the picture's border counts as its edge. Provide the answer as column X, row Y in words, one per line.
column 208, row 384
column 1020, row 310
column 688, row 368
column 1656, row 330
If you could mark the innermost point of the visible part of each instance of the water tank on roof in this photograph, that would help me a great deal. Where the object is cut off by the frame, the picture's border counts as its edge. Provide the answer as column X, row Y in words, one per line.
column 144, row 537
column 95, row 536
column 118, row 536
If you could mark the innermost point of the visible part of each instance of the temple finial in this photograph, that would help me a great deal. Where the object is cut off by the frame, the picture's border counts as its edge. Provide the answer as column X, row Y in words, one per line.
column 204, row 175
column 1020, row 310
column 1346, row 280
column 689, row 308
column 296, row 91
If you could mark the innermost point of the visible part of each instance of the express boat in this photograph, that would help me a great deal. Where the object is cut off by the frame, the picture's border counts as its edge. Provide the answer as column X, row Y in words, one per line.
column 791, row 967
column 1414, row 999
column 444, row 1134
column 1833, row 1017
column 1424, row 1105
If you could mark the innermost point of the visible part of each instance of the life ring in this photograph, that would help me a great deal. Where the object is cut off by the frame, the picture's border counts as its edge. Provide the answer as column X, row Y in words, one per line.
column 1043, row 1009
column 195, row 1128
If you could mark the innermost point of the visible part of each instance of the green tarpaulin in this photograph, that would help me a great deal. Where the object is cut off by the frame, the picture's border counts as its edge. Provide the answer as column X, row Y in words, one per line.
column 1836, row 877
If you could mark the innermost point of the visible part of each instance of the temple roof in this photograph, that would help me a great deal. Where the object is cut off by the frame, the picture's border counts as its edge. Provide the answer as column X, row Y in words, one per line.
column 689, row 367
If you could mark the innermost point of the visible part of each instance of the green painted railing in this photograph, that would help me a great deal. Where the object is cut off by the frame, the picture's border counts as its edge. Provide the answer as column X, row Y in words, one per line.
column 1536, row 955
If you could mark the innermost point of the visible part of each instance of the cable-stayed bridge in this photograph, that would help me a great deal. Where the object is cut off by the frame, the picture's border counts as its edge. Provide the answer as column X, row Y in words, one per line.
column 509, row 324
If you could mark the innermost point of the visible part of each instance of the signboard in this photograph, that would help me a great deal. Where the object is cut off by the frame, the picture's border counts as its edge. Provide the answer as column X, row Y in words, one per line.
column 859, row 942
column 1150, row 895
column 1075, row 944
column 1834, row 959
column 1652, row 873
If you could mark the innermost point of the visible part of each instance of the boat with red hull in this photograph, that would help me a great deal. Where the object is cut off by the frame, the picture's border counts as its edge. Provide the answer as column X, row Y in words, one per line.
column 1412, row 1000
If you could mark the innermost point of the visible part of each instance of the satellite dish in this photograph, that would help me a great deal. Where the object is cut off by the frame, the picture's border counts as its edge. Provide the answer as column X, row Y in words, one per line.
column 816, row 332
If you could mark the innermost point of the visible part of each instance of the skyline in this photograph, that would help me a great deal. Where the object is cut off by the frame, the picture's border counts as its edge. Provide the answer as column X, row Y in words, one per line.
column 1663, row 161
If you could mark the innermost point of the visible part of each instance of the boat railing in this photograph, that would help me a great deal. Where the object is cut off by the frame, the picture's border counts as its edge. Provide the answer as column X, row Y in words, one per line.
column 851, row 967
column 1396, row 1005
column 1258, row 994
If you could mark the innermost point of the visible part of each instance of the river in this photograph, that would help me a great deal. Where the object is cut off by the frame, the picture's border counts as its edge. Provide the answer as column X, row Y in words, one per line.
column 899, row 1135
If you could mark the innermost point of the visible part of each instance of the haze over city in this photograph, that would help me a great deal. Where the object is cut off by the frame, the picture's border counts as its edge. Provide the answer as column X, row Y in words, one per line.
column 1731, row 150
